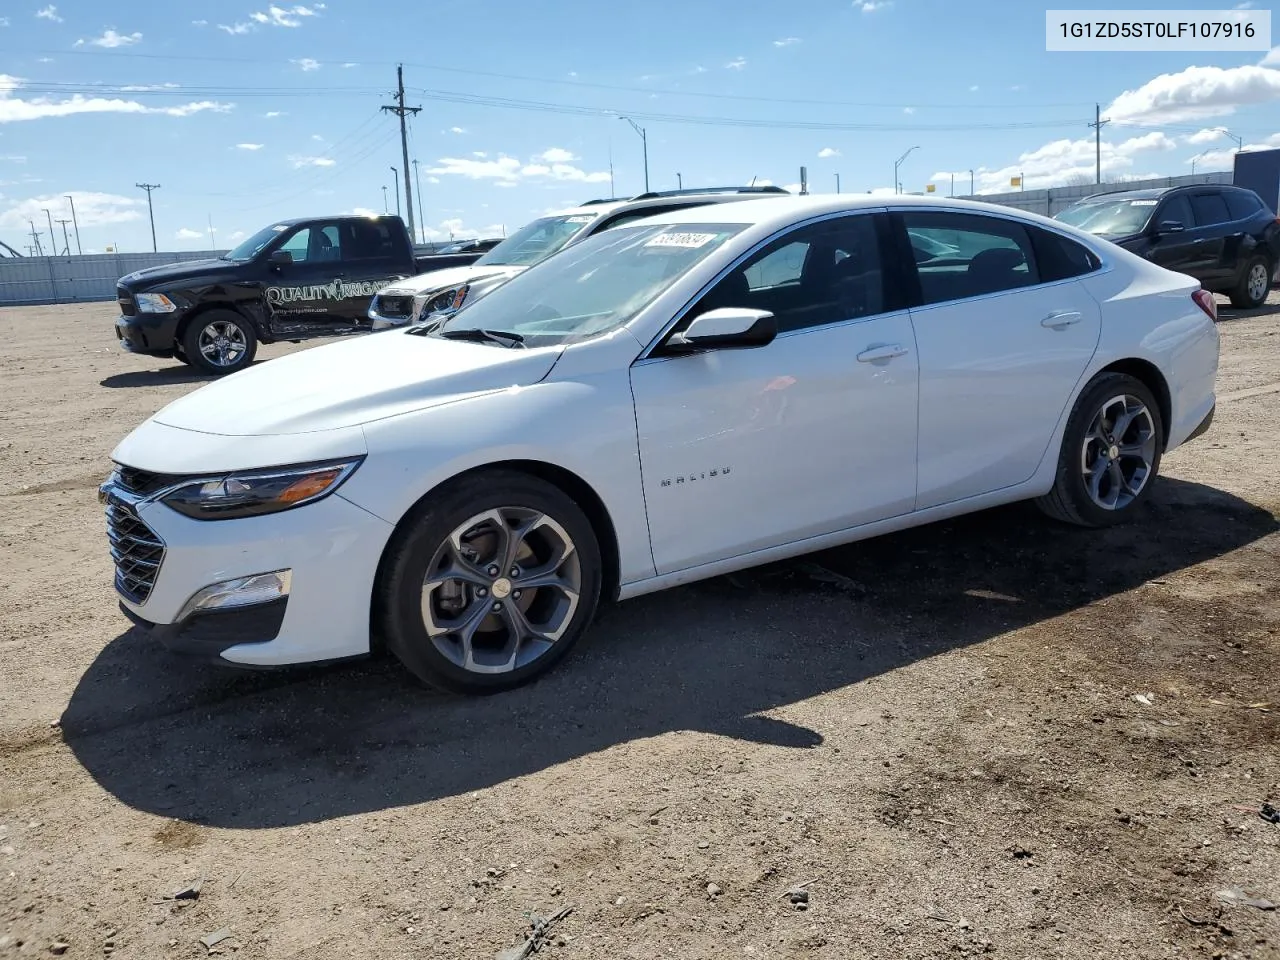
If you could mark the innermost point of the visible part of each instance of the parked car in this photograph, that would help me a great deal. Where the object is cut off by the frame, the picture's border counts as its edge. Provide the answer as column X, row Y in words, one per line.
column 444, row 291
column 1224, row 236
column 659, row 403
column 471, row 246
column 293, row 280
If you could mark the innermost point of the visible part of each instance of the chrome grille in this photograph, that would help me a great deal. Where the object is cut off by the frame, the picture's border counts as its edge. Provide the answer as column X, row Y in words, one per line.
column 136, row 549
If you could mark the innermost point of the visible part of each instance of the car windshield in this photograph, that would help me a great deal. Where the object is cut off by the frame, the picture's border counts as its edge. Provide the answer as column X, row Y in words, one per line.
column 536, row 241
column 593, row 287
column 1111, row 218
column 248, row 249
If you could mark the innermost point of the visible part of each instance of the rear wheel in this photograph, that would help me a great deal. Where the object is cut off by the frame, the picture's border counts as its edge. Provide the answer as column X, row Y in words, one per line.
column 219, row 342
column 1254, row 285
column 1110, row 453
column 489, row 583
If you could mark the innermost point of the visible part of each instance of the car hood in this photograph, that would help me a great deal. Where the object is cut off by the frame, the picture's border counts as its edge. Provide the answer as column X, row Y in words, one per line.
column 450, row 277
column 172, row 272
column 347, row 384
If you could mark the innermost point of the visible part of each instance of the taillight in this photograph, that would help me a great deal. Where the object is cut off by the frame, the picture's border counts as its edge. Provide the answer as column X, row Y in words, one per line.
column 1206, row 302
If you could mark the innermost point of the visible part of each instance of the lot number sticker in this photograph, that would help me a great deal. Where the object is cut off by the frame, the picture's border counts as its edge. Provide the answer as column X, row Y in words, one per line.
column 689, row 241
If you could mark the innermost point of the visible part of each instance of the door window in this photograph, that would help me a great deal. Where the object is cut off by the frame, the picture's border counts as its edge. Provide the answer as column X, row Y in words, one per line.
column 1209, row 209
column 1243, row 204
column 1177, row 209
column 369, row 240
column 961, row 255
column 1059, row 258
column 314, row 245
column 824, row 273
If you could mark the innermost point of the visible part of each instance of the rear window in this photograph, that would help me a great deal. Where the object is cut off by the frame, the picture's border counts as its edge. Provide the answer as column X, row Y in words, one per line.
column 1242, row 204
column 1209, row 208
column 1059, row 258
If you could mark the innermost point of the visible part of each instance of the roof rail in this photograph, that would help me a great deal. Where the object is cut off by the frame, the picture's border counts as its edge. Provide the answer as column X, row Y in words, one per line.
column 694, row 191
column 592, row 203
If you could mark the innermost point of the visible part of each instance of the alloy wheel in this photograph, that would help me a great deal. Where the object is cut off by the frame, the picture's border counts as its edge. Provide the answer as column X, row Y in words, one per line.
column 223, row 343
column 1257, row 283
column 501, row 590
column 1118, row 453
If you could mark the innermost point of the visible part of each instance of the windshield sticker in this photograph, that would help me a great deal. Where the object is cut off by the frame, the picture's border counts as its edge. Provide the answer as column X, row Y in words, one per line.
column 578, row 219
column 280, row 227
column 1144, row 203
column 689, row 241
column 329, row 291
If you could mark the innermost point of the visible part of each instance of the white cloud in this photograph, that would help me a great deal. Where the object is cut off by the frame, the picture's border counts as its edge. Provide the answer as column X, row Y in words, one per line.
column 188, row 234
column 236, row 236
column 974, row 88
column 249, row 146
column 12, row 158
column 433, row 180
column 148, row 87
column 110, row 39
column 510, row 171
column 236, row 29
column 699, row 69
column 457, row 229
column 307, row 64
column 1196, row 93
column 49, row 13
column 14, row 109
column 786, row 42
column 348, row 66
column 556, row 155
column 827, row 152
column 299, row 162
column 272, row 114
column 1208, row 135
column 458, row 130
column 199, row 23
column 1246, row 5
column 92, row 209
column 737, row 63
column 4, row 21
column 1225, row 158
column 908, row 110
column 361, row 212
column 480, row 153
column 285, row 16
column 872, row 6
column 317, row 137
column 1272, row 59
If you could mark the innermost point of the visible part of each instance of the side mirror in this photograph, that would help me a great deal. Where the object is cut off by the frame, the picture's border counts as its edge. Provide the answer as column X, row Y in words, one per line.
column 1170, row 226
column 725, row 328
column 280, row 258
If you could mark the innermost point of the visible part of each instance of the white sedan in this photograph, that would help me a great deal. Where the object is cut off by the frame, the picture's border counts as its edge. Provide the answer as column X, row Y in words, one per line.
column 686, row 396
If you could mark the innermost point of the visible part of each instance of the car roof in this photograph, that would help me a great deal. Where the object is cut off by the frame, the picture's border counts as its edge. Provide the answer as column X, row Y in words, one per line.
column 684, row 198
column 1151, row 193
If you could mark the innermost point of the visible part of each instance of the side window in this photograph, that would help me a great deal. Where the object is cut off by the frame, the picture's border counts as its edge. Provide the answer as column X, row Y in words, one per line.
column 1209, row 209
column 825, row 273
column 314, row 244
column 298, row 245
column 1242, row 205
column 1178, row 209
column 369, row 240
column 963, row 255
column 1060, row 258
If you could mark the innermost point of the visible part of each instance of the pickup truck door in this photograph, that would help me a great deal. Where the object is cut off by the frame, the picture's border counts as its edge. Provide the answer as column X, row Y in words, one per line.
column 305, row 297
column 374, row 253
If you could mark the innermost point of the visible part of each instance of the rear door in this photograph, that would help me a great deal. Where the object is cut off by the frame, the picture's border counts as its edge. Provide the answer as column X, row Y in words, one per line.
column 1002, row 344
column 1213, row 223
column 374, row 253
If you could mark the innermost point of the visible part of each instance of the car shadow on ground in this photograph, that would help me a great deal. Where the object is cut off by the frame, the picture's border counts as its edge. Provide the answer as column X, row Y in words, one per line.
column 250, row 750
column 156, row 378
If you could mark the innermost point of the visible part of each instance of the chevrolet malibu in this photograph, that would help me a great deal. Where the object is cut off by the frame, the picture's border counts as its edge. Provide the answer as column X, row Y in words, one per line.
column 678, row 398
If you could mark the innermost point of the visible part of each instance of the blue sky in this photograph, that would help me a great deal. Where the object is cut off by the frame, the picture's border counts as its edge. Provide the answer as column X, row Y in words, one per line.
column 245, row 111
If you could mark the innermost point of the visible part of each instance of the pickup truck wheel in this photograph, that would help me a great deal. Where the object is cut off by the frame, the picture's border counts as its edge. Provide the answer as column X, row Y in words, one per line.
column 489, row 583
column 1254, row 285
column 219, row 342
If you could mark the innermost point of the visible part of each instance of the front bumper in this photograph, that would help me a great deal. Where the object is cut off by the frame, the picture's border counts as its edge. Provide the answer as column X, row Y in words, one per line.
column 332, row 548
column 150, row 333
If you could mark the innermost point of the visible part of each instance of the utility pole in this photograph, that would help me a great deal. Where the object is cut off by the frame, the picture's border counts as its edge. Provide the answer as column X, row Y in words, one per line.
column 395, row 178
column 613, row 191
column 953, row 184
column 79, row 249
column 66, row 241
column 422, row 217
column 35, row 238
column 971, row 183
column 401, row 111
column 213, row 236
column 385, row 208
column 644, row 140
column 837, row 183
column 150, row 210
column 1098, row 124
column 53, row 241
column 679, row 181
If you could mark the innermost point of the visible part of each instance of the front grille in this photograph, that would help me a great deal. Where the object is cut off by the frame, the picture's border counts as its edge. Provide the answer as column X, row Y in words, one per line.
column 127, row 307
column 395, row 307
column 136, row 549
column 143, row 482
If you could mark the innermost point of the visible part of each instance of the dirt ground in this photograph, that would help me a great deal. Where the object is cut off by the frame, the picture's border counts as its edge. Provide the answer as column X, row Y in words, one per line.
column 991, row 736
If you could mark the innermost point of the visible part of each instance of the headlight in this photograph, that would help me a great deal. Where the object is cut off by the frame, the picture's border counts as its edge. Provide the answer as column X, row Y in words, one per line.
column 439, row 301
column 155, row 303
column 252, row 493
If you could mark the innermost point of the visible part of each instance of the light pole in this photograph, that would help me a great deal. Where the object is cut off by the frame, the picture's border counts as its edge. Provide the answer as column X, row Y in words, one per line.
column 53, row 241
column 75, row 224
column 971, row 183
column 422, row 219
column 1022, row 181
column 395, row 178
column 953, row 184
column 897, row 187
column 837, row 183
column 385, row 208
column 644, row 140
column 1231, row 136
column 679, row 181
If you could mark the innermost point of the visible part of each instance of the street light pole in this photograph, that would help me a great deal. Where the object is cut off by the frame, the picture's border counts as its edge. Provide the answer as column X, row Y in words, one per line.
column 53, row 241
column 395, row 178
column 385, row 208
column 971, row 183
column 897, row 187
column 422, row 219
column 679, row 180
column 837, row 183
column 75, row 224
column 644, row 140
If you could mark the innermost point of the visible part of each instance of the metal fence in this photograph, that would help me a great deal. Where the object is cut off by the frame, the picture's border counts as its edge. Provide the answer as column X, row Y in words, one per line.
column 28, row 280
column 1048, row 202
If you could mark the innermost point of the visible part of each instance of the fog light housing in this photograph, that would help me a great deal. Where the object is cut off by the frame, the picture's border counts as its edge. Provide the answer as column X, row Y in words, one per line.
column 248, row 591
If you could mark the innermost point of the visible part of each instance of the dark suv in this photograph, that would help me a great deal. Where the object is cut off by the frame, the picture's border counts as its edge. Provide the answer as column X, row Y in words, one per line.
column 1223, row 236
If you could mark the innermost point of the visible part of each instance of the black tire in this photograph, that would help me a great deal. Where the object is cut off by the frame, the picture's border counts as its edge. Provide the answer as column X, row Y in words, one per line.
column 1070, row 500
column 1241, row 298
column 239, row 332
column 414, row 546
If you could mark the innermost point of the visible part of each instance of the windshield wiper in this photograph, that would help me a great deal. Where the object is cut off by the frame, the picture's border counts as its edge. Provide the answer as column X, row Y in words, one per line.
column 504, row 337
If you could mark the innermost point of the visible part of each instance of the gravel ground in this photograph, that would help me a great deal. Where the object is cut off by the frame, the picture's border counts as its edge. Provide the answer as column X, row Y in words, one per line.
column 994, row 735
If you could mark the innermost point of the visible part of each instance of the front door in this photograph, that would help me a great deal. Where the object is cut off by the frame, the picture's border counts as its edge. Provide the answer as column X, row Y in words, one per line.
column 742, row 450
column 1175, row 250
column 1001, row 352
column 305, row 297
column 1213, row 226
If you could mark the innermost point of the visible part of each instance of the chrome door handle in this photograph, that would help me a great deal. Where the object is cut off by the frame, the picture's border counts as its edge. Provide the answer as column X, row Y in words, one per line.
column 1198, row 240
column 887, row 352
column 1062, row 319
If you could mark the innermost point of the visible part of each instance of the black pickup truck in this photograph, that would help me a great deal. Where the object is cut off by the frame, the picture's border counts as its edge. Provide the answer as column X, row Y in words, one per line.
column 293, row 280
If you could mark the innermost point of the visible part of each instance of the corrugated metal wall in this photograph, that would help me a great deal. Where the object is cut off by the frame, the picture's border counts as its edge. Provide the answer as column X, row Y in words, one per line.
column 28, row 280
column 1048, row 202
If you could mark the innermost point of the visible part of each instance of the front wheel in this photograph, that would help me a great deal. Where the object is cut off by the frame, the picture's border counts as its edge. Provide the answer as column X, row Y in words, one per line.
column 219, row 342
column 489, row 583
column 1110, row 453
column 1254, row 285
